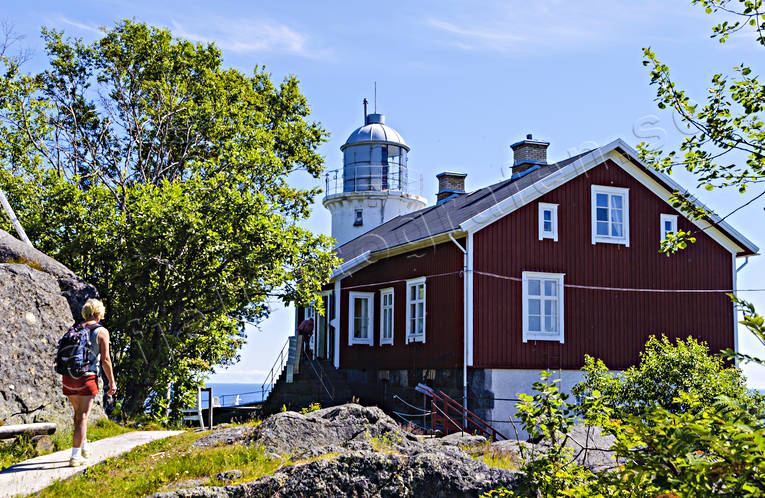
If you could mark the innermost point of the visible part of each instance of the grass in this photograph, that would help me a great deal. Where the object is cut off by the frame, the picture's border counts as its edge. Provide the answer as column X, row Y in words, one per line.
column 151, row 467
column 493, row 457
column 22, row 448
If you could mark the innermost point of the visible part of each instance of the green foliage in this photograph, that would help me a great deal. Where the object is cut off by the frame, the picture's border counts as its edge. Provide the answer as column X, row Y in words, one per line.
column 715, row 449
column 310, row 408
column 548, row 416
column 709, row 449
column 162, row 178
column 754, row 323
column 726, row 145
column 665, row 370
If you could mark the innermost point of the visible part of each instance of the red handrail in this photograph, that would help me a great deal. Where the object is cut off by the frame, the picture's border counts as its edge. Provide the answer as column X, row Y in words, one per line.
column 442, row 415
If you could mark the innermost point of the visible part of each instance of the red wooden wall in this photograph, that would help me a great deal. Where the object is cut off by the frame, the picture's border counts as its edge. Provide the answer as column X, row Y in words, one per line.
column 444, row 311
column 611, row 325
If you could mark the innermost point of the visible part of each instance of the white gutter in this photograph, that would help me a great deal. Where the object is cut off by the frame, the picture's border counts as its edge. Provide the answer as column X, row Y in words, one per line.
column 351, row 264
column 464, row 330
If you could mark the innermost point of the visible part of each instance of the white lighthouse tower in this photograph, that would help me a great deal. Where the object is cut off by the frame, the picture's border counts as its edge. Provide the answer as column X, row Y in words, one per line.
column 375, row 184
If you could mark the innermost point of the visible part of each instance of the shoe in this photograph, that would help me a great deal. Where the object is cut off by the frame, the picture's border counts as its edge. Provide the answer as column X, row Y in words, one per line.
column 86, row 452
column 77, row 461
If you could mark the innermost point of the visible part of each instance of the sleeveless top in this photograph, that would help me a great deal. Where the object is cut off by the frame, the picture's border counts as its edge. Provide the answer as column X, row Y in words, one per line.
column 95, row 349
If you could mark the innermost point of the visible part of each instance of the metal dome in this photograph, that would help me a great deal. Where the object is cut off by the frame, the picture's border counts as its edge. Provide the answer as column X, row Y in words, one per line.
column 375, row 131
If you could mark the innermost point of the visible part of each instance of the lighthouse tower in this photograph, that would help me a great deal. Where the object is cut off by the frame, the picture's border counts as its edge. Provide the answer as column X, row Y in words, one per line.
column 375, row 183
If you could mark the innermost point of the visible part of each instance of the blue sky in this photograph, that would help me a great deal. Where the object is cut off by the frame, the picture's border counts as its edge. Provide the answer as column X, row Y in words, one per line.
column 460, row 81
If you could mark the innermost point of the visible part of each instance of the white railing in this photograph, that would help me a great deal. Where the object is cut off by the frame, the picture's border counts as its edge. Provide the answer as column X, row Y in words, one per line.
column 275, row 372
column 366, row 178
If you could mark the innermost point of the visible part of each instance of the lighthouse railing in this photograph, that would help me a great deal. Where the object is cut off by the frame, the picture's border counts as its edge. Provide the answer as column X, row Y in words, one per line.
column 371, row 178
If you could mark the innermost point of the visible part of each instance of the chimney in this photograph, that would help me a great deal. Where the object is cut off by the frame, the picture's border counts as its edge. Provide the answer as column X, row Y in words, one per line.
column 529, row 153
column 450, row 185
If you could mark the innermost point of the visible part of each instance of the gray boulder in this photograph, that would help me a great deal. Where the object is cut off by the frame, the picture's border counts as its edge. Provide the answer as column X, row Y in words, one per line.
column 36, row 297
column 75, row 290
column 370, row 474
column 229, row 435
column 459, row 439
column 352, row 450
column 350, row 425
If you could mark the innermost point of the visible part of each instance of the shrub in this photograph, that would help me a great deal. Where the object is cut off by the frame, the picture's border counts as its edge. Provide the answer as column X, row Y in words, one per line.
column 664, row 372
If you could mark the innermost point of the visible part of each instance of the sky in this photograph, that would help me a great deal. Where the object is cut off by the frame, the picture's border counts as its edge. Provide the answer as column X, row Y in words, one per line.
column 460, row 81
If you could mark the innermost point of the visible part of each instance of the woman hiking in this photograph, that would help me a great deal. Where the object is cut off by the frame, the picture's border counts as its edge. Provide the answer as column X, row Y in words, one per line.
column 83, row 390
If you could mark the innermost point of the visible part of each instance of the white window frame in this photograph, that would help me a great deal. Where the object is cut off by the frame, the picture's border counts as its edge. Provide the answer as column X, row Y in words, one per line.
column 625, row 193
column 672, row 218
column 410, row 337
column 553, row 208
column 535, row 335
column 387, row 292
column 369, row 340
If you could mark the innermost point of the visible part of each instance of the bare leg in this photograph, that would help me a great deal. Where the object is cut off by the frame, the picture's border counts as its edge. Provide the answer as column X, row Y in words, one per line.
column 82, row 406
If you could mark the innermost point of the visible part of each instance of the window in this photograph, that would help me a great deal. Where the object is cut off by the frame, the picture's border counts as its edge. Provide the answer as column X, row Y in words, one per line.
column 361, row 318
column 610, row 215
column 548, row 221
column 359, row 220
column 542, row 306
column 415, row 310
column 668, row 224
column 386, row 316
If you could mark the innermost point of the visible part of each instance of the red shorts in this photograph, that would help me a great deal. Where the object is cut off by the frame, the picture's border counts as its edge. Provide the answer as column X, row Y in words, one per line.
column 84, row 386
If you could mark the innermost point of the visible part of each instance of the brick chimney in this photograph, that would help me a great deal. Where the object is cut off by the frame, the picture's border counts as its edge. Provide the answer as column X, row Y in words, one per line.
column 529, row 153
column 450, row 185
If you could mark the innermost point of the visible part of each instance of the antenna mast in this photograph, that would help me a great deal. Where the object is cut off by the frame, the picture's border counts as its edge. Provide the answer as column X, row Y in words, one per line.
column 375, row 97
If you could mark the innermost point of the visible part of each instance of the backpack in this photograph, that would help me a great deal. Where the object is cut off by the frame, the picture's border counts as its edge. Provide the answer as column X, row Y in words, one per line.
column 73, row 356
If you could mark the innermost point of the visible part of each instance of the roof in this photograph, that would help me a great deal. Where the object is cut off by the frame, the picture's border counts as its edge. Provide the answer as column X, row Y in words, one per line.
column 483, row 206
column 375, row 131
column 444, row 217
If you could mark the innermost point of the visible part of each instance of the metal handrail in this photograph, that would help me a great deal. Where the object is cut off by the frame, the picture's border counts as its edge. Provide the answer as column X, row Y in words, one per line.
column 275, row 371
column 449, row 403
column 318, row 370
column 366, row 178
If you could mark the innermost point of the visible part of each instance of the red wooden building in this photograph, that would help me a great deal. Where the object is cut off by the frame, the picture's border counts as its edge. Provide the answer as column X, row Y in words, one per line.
column 479, row 292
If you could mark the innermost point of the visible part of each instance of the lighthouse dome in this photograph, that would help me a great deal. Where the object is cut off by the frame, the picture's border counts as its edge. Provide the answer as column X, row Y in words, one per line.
column 375, row 130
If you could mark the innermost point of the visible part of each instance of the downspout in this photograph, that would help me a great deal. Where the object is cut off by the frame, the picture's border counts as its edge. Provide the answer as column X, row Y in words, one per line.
column 735, row 309
column 464, row 330
column 14, row 220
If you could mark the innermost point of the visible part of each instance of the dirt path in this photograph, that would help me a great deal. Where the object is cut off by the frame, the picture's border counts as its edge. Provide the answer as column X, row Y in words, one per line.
column 38, row 473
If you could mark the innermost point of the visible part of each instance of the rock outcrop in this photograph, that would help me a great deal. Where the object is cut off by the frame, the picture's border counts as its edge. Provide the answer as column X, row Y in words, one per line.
column 351, row 450
column 75, row 290
column 37, row 295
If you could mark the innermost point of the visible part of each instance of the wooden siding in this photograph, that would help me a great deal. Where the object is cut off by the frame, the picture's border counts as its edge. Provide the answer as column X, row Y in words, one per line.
column 611, row 325
column 443, row 315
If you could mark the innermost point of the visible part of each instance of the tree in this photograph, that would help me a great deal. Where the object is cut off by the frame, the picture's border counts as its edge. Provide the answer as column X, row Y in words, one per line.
column 664, row 372
column 163, row 179
column 727, row 147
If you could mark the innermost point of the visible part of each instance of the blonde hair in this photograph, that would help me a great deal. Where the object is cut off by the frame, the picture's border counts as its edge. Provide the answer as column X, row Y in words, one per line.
column 93, row 308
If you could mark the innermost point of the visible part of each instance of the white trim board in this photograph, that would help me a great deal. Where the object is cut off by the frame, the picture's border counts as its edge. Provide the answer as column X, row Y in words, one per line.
column 626, row 161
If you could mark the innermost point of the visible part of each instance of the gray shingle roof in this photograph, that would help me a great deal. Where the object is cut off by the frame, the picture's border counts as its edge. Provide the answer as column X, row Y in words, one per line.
column 444, row 217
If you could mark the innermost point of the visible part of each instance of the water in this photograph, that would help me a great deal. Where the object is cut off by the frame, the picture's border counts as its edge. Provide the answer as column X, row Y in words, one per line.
column 227, row 393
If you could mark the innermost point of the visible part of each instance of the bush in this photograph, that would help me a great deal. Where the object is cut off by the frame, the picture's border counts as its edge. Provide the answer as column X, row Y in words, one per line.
column 664, row 372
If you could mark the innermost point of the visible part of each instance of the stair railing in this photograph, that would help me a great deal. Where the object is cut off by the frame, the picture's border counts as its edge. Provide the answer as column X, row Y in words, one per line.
column 321, row 374
column 447, row 405
column 275, row 372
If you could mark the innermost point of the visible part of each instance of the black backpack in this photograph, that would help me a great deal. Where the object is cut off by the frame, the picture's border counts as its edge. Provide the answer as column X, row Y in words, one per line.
column 73, row 356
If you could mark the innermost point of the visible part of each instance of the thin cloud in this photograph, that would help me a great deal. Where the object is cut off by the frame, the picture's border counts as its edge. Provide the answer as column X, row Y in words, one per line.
column 529, row 29
column 82, row 26
column 247, row 36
